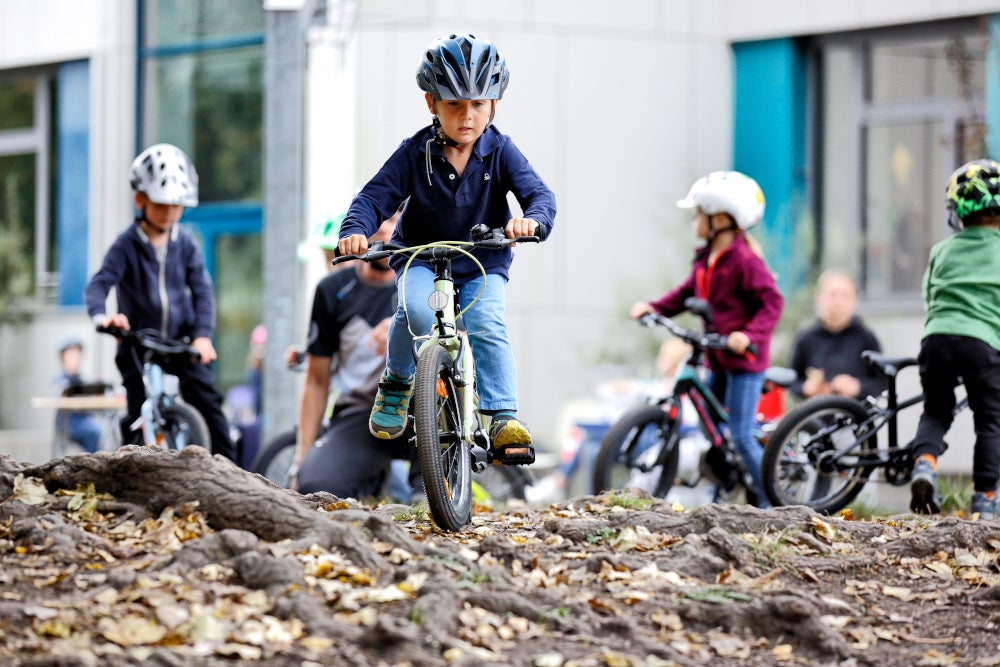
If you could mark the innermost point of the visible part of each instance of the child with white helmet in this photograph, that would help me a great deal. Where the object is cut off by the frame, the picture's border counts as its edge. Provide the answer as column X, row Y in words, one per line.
column 160, row 281
column 457, row 173
column 731, row 275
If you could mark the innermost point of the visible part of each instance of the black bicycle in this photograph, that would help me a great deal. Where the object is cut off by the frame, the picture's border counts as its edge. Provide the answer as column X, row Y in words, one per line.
column 823, row 451
column 642, row 448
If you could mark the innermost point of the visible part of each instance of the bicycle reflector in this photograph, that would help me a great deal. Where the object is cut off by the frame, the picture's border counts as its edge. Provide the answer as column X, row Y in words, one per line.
column 437, row 300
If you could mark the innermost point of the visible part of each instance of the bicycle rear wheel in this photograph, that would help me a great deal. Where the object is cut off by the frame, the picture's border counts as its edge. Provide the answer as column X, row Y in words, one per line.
column 275, row 460
column 798, row 466
column 444, row 457
column 640, row 450
column 183, row 426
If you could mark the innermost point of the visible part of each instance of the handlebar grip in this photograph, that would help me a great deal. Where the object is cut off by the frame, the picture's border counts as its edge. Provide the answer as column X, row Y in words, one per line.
column 753, row 350
column 540, row 232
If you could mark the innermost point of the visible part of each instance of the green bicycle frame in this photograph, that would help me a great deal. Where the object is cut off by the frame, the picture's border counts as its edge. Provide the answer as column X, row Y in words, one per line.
column 446, row 334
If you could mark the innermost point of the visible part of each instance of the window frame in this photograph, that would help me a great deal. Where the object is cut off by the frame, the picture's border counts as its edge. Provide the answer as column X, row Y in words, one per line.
column 866, row 115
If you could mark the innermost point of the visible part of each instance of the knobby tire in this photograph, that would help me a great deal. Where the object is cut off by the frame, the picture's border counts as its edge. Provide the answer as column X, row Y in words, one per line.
column 444, row 457
column 791, row 471
column 275, row 460
column 643, row 434
column 183, row 426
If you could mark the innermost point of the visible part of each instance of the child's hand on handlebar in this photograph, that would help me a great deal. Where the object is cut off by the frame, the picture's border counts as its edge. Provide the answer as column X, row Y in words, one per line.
column 639, row 309
column 355, row 244
column 205, row 349
column 520, row 227
column 118, row 320
column 738, row 342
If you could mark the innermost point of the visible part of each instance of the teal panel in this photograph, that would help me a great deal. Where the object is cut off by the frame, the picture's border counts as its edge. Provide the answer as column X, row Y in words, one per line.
column 769, row 140
column 993, row 90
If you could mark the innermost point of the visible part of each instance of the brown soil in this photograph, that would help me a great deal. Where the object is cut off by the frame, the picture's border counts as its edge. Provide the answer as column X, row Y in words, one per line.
column 145, row 557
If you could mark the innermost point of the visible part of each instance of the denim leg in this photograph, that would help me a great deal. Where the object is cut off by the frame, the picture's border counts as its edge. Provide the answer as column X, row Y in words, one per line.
column 491, row 348
column 418, row 285
column 742, row 396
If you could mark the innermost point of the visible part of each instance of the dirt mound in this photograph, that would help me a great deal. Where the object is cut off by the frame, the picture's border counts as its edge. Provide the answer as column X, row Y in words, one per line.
column 139, row 557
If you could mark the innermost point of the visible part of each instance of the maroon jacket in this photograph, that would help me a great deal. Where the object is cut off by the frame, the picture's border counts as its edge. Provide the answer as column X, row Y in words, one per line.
column 743, row 295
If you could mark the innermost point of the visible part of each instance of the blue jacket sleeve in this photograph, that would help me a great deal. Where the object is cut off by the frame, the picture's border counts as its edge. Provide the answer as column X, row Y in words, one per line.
column 202, row 294
column 535, row 198
column 112, row 269
column 380, row 197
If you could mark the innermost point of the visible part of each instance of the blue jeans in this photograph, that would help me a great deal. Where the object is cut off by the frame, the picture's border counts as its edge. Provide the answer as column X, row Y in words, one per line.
column 82, row 428
column 742, row 394
column 485, row 323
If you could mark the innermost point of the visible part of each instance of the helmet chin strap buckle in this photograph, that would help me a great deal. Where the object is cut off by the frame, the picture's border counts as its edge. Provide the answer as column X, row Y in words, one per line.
column 440, row 137
column 141, row 218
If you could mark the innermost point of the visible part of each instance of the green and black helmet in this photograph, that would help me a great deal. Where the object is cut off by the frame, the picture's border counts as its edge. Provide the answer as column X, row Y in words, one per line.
column 973, row 190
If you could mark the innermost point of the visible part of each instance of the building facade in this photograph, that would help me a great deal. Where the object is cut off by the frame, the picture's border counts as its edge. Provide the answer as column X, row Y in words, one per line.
column 850, row 115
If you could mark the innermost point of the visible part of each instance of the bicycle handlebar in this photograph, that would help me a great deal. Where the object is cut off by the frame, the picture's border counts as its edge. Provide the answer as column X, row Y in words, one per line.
column 482, row 237
column 153, row 340
column 702, row 341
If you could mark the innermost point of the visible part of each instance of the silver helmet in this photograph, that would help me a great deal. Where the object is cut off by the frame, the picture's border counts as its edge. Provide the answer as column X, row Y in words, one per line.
column 463, row 67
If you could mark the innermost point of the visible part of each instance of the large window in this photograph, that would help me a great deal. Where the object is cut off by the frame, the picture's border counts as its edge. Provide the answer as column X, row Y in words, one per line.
column 27, row 264
column 899, row 111
column 201, row 80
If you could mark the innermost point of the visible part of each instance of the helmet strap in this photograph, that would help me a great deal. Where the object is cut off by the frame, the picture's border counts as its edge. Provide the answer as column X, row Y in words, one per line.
column 440, row 137
column 141, row 218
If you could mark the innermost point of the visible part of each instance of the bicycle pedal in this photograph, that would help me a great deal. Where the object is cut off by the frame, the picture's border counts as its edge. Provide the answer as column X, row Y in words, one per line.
column 514, row 455
column 480, row 459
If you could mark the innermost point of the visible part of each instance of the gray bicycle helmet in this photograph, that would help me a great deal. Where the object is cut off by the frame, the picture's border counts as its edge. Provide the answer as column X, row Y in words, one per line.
column 166, row 174
column 463, row 67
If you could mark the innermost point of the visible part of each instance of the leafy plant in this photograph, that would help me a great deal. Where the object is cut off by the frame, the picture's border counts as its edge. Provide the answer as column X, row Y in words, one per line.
column 416, row 513
column 956, row 493
column 628, row 501
column 605, row 534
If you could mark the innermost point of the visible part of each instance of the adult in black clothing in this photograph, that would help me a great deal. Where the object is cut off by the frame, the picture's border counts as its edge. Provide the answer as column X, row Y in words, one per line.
column 827, row 355
column 350, row 319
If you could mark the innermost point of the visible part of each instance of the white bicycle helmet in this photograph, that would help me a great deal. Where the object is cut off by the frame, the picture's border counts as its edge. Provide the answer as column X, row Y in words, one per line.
column 166, row 174
column 729, row 192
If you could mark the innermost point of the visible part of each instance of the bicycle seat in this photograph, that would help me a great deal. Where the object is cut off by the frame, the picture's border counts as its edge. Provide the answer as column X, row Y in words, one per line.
column 780, row 376
column 889, row 366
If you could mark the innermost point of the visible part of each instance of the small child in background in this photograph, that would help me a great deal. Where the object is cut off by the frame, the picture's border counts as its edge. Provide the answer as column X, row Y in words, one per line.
column 82, row 428
column 729, row 273
column 961, row 340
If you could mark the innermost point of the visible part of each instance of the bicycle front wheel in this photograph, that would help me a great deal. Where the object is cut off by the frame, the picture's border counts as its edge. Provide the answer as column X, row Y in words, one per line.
column 640, row 450
column 182, row 426
column 816, row 455
column 443, row 455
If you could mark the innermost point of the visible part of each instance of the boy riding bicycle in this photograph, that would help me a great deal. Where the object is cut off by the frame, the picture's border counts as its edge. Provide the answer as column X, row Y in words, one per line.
column 456, row 173
column 161, row 283
column 961, row 288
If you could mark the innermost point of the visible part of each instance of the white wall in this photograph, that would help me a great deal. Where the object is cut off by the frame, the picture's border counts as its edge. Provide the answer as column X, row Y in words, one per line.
column 45, row 33
column 620, row 106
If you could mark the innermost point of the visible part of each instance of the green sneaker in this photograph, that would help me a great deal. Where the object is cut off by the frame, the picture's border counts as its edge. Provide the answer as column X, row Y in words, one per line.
column 510, row 441
column 392, row 404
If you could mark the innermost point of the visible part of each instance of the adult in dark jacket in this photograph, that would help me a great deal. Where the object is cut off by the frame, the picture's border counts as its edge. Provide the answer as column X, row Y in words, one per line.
column 161, row 283
column 827, row 355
